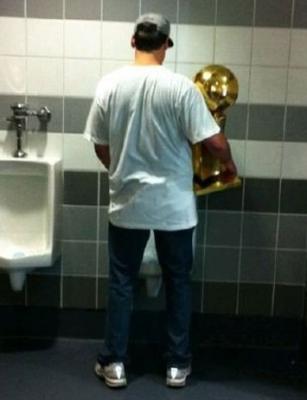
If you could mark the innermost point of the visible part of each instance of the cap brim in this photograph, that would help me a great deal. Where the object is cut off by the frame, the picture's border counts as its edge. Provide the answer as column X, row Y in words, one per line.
column 170, row 42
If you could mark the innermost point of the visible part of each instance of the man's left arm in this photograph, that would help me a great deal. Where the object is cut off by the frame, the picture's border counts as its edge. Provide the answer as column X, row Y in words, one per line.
column 103, row 153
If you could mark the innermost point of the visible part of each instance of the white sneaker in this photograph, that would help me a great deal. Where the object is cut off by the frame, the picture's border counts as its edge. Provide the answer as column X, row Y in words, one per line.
column 113, row 374
column 176, row 377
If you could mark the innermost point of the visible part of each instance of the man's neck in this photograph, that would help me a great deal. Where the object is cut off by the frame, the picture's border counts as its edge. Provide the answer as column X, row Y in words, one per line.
column 144, row 58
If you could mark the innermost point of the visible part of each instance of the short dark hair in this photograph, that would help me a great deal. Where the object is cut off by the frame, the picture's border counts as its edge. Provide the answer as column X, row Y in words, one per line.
column 147, row 38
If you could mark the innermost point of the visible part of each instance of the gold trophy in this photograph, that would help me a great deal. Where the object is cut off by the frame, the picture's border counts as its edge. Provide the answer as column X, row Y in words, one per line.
column 219, row 87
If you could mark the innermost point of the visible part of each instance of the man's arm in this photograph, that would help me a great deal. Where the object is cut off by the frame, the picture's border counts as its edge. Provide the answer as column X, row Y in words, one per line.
column 103, row 153
column 218, row 146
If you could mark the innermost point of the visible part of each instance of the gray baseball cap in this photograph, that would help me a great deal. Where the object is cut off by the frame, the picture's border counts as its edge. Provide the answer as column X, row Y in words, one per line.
column 162, row 23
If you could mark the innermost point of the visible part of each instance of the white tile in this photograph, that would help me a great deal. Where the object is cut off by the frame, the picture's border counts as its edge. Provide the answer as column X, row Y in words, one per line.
column 195, row 44
column 268, row 85
column 263, row 159
column 294, row 164
column 116, row 41
column 13, row 36
column 188, row 69
column 77, row 148
column 297, row 86
column 242, row 73
column 45, row 76
column 81, row 77
column 233, row 45
column 110, row 66
column 40, row 144
column 271, row 47
column 238, row 149
column 13, row 75
column 298, row 57
column 45, row 37
column 82, row 39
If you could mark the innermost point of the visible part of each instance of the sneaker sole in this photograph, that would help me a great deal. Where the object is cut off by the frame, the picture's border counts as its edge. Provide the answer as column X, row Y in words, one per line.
column 113, row 383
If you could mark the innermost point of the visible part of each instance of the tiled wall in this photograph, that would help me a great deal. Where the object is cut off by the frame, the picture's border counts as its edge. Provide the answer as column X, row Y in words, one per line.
column 251, row 242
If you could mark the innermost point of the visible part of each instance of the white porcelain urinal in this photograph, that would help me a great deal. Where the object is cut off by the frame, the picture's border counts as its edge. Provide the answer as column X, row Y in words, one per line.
column 30, row 198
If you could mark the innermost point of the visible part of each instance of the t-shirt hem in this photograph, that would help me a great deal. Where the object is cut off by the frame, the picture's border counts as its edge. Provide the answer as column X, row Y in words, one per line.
column 149, row 226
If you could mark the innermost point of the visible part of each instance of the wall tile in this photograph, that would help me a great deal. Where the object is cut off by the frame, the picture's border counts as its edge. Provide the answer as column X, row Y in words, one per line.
column 271, row 158
column 291, row 267
column 76, row 9
column 79, row 223
column 223, row 229
column 261, row 195
column 197, row 12
column 238, row 151
column 266, row 122
column 12, row 8
column 117, row 10
column 13, row 75
column 201, row 228
column 197, row 269
column 43, row 290
column 103, row 260
column 195, row 44
column 104, row 189
column 80, row 188
column 119, row 48
column 296, row 124
column 189, row 69
column 274, row 13
column 79, row 258
column 76, row 112
column 89, row 70
column 45, row 76
column 55, row 105
column 102, row 293
column 7, row 295
column 257, row 265
column 225, row 200
column 82, row 39
column 268, row 85
column 167, row 8
column 259, row 230
column 292, row 232
column 297, row 88
column 221, row 264
column 220, row 298
column 77, row 148
column 298, row 56
column 289, row 301
column 45, row 9
column 103, row 224
column 233, row 45
column 294, row 161
column 13, row 30
column 255, row 299
column 79, row 292
column 293, row 196
column 242, row 73
column 235, row 12
column 52, row 31
column 300, row 14
column 236, row 121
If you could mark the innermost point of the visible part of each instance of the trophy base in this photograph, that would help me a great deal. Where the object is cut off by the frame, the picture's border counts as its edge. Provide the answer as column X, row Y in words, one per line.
column 216, row 187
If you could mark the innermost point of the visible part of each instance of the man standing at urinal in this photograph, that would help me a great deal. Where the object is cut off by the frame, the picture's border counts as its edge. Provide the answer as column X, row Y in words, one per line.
column 142, row 122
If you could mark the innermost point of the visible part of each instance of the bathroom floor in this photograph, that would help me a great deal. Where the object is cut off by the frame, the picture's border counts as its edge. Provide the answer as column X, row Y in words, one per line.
column 63, row 369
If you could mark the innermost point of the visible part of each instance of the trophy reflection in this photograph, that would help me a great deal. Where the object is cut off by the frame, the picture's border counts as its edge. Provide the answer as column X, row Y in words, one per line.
column 219, row 87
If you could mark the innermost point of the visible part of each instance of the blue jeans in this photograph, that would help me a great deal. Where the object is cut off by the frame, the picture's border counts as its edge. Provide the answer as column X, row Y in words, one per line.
column 175, row 255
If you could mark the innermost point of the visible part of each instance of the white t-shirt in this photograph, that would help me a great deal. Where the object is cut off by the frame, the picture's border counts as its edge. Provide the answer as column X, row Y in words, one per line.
column 148, row 115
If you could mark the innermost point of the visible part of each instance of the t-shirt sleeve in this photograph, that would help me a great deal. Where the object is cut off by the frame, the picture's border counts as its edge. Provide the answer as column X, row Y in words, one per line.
column 96, row 129
column 197, row 122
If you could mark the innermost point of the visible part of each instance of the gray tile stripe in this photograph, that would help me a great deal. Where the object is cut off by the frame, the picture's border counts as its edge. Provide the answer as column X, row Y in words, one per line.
column 268, row 13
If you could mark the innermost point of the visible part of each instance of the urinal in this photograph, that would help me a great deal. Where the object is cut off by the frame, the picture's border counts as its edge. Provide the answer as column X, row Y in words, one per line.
column 30, row 201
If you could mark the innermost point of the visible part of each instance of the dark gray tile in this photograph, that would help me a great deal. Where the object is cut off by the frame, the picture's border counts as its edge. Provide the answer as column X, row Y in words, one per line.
column 220, row 298
column 257, row 265
column 43, row 290
column 266, row 122
column 197, row 12
column 224, row 228
column 103, row 224
column 119, row 10
column 51, row 9
column 259, row 230
column 55, row 269
column 76, row 112
column 255, row 299
column 76, row 9
column 103, row 290
column 79, row 223
column 5, row 110
column 236, row 122
column 80, row 188
column 296, row 124
column 197, row 269
column 289, row 301
column 300, row 14
column 197, row 293
column 225, row 200
column 7, row 295
column 103, row 260
column 292, row 231
column 221, row 264
column 273, row 13
column 293, row 196
column 291, row 267
column 79, row 258
column 12, row 8
column 235, row 12
column 200, row 228
column 167, row 8
column 261, row 195
column 79, row 292
column 55, row 105
column 104, row 189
